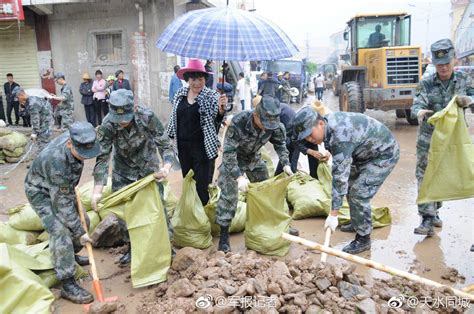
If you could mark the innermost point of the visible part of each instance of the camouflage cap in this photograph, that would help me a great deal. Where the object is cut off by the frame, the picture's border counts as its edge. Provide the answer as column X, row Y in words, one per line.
column 269, row 111
column 121, row 106
column 17, row 90
column 59, row 75
column 83, row 138
column 303, row 123
column 442, row 51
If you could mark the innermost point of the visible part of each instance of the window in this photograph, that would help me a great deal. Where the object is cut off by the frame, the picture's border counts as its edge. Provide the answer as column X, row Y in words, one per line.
column 108, row 47
column 376, row 32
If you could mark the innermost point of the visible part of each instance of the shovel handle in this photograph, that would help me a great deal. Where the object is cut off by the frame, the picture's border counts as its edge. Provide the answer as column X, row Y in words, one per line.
column 327, row 240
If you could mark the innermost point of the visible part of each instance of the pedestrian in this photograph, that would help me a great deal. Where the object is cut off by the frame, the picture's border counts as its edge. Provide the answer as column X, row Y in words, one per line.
column 364, row 154
column 285, row 90
column 278, row 91
column 66, row 107
column 41, row 116
column 49, row 187
column 319, row 86
column 110, row 86
column 175, row 84
column 12, row 105
column 269, row 86
column 247, row 133
column 23, row 112
column 85, row 89
column 210, row 77
column 432, row 95
column 133, row 135
column 120, row 82
column 263, row 78
column 101, row 107
column 241, row 90
column 197, row 113
column 2, row 110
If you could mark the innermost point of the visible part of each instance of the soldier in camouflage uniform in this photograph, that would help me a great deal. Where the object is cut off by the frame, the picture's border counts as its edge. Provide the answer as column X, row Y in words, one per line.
column 364, row 153
column 433, row 94
column 66, row 107
column 134, row 134
column 49, row 186
column 41, row 117
column 247, row 133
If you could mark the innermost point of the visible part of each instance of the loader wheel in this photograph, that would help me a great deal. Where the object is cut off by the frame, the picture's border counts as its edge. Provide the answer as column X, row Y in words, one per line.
column 409, row 118
column 350, row 99
column 335, row 90
column 400, row 113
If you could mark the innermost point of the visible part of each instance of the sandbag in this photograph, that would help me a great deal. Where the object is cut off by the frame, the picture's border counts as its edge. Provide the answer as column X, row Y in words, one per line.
column 2, row 155
column 23, row 217
column 12, row 141
column 139, row 204
column 86, row 193
column 12, row 160
column 238, row 222
column 5, row 131
column 265, row 155
column 449, row 173
column 10, row 235
column 380, row 216
column 44, row 236
column 94, row 220
column 190, row 223
column 307, row 197
column 17, row 152
column 169, row 199
column 21, row 290
column 267, row 217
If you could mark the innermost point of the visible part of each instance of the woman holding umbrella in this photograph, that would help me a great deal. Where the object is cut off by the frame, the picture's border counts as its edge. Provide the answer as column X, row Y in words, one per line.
column 197, row 110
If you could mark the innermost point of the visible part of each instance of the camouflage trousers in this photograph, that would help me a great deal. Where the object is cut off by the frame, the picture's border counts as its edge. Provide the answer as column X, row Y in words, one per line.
column 41, row 142
column 227, row 203
column 63, row 243
column 422, row 149
column 364, row 182
column 66, row 118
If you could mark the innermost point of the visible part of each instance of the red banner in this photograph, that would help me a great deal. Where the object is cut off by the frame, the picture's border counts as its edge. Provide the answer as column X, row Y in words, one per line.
column 11, row 10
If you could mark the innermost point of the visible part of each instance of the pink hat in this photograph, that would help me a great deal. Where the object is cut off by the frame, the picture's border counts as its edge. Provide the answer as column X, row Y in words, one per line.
column 194, row 65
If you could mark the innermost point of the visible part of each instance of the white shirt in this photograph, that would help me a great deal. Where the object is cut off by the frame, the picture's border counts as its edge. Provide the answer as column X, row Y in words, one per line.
column 319, row 81
column 241, row 88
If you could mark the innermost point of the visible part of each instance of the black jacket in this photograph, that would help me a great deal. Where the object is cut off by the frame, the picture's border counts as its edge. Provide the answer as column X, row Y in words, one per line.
column 87, row 94
column 8, row 91
column 125, row 85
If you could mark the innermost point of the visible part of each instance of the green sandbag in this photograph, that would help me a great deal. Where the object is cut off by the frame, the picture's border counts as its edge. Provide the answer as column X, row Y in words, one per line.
column 238, row 222
column 21, row 290
column 169, row 199
column 23, row 217
column 12, row 141
column 449, row 174
column 5, row 131
column 10, row 235
column 190, row 223
column 17, row 152
column 139, row 204
column 12, row 160
column 50, row 280
column 380, row 216
column 44, row 236
column 267, row 217
column 307, row 197
column 2, row 155
column 265, row 155
column 94, row 220
column 86, row 193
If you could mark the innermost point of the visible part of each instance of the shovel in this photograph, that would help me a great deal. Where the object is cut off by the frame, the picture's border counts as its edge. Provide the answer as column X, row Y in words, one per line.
column 327, row 240
column 95, row 277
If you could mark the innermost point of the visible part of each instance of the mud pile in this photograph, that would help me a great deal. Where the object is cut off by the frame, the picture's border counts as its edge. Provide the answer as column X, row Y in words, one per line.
column 233, row 283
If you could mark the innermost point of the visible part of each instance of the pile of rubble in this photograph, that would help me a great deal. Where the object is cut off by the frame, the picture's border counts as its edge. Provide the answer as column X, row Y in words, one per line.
column 199, row 281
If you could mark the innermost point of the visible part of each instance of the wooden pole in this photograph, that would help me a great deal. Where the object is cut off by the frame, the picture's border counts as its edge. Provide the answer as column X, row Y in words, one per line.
column 327, row 240
column 375, row 265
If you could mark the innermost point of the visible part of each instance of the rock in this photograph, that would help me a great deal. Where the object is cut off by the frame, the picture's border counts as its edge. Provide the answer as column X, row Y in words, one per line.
column 223, row 263
column 367, row 306
column 216, row 293
column 286, row 284
column 294, row 272
column 274, row 288
column 322, row 283
column 349, row 291
column 110, row 232
column 278, row 269
column 185, row 258
column 56, row 293
column 181, row 288
column 223, row 309
column 352, row 278
column 313, row 309
column 210, row 273
column 388, row 293
column 307, row 278
column 227, row 288
column 348, row 268
column 300, row 299
column 102, row 307
column 334, row 290
column 241, row 291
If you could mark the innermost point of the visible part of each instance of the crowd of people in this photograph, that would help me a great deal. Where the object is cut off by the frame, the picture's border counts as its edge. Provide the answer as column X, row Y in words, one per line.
column 363, row 150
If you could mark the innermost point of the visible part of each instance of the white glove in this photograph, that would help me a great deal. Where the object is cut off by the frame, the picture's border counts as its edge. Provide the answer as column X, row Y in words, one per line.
column 331, row 222
column 96, row 196
column 33, row 137
column 243, row 184
column 85, row 239
column 162, row 173
column 422, row 114
column 288, row 171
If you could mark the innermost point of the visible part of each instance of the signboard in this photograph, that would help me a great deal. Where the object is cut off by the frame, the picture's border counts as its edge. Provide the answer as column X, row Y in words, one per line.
column 11, row 10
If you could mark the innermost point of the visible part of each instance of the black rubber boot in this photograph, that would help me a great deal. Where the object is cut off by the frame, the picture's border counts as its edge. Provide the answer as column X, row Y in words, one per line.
column 360, row 244
column 75, row 293
column 437, row 222
column 347, row 228
column 82, row 260
column 293, row 231
column 426, row 227
column 126, row 258
column 224, row 244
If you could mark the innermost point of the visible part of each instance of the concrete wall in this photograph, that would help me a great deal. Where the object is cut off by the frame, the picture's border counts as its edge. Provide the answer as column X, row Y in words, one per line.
column 72, row 28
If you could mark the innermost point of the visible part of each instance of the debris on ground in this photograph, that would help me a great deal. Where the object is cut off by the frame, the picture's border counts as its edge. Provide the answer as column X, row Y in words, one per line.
column 453, row 275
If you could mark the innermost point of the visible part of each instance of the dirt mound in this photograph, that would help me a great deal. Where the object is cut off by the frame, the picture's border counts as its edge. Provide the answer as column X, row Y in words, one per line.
column 233, row 282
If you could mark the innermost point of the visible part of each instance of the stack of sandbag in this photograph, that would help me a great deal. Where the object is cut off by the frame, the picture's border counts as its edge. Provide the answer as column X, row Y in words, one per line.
column 12, row 145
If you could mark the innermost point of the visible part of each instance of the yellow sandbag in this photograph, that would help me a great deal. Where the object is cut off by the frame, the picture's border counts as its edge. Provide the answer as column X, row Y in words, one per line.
column 449, row 174
column 238, row 222
column 17, row 152
column 10, row 235
column 380, row 216
column 12, row 141
column 5, row 131
column 267, row 217
column 139, row 204
column 94, row 220
column 86, row 193
column 169, row 199
column 44, row 236
column 191, row 225
column 23, row 217
column 265, row 155
column 21, row 290
column 307, row 197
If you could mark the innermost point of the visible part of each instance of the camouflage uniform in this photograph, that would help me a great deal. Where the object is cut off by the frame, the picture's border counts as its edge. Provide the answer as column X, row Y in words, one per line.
column 41, row 120
column 241, row 155
column 66, row 107
column 364, row 153
column 49, row 186
column 431, row 94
